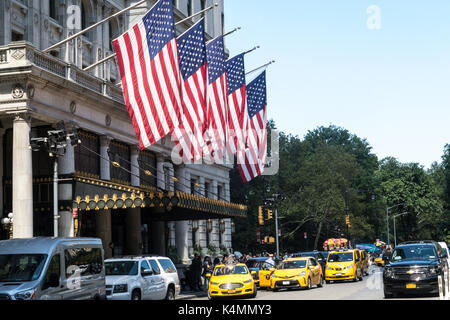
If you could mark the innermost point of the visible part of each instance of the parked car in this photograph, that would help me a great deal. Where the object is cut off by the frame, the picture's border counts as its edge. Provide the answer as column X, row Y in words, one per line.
column 231, row 281
column 415, row 267
column 52, row 269
column 164, row 267
column 133, row 278
column 301, row 272
column 316, row 255
column 256, row 264
column 446, row 249
column 344, row 265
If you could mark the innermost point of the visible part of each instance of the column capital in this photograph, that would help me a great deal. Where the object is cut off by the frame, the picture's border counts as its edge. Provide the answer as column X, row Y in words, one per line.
column 22, row 116
column 105, row 140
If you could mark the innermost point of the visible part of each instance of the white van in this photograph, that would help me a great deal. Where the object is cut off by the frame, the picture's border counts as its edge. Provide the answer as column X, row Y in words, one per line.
column 47, row 268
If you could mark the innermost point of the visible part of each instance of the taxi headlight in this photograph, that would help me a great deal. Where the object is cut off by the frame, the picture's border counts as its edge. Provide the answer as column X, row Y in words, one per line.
column 301, row 274
column 328, row 268
column 433, row 270
column 349, row 266
column 214, row 283
column 273, row 276
column 120, row 288
column 248, row 281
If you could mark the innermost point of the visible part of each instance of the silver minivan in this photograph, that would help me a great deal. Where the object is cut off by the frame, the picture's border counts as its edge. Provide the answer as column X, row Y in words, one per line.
column 49, row 268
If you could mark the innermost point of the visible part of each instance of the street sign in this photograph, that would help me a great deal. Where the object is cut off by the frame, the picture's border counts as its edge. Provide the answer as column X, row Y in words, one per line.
column 75, row 213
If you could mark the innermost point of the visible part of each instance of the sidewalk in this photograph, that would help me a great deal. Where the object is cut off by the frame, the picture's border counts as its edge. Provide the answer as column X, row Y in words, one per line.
column 188, row 294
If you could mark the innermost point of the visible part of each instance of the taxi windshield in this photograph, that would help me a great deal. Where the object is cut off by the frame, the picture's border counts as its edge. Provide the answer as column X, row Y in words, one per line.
column 340, row 257
column 299, row 264
column 227, row 270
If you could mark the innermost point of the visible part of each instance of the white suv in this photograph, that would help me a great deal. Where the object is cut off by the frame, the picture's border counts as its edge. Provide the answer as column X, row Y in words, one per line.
column 165, row 268
column 133, row 278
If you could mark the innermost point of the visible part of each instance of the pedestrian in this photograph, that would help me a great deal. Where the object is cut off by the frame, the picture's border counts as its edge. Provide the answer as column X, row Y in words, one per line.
column 269, row 263
column 225, row 259
column 196, row 269
column 207, row 269
column 387, row 255
column 216, row 261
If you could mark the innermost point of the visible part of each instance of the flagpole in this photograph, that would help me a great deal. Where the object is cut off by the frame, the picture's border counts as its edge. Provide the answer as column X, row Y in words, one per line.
column 176, row 23
column 94, row 25
column 263, row 66
column 257, row 47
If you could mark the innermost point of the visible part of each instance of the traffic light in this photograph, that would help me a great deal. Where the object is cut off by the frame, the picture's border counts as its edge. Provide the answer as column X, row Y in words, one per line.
column 266, row 239
column 347, row 220
column 269, row 214
column 260, row 216
column 271, row 240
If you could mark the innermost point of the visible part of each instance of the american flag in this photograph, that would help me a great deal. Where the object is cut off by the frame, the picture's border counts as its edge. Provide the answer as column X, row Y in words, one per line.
column 147, row 56
column 192, row 54
column 251, row 161
column 237, row 112
column 217, row 99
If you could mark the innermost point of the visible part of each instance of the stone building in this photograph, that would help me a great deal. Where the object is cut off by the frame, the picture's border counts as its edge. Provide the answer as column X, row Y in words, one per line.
column 135, row 201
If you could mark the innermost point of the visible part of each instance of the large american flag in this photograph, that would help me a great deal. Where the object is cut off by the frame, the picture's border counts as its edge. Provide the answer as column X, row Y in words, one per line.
column 251, row 161
column 237, row 112
column 217, row 100
column 192, row 55
column 147, row 56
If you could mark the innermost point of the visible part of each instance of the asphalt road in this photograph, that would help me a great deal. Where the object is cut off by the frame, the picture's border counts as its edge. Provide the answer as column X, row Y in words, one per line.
column 370, row 288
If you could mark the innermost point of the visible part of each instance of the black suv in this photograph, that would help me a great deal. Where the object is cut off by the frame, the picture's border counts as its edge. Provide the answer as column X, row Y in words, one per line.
column 415, row 267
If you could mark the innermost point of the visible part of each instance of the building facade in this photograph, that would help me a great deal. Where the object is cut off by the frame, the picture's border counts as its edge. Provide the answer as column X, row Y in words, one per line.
column 135, row 201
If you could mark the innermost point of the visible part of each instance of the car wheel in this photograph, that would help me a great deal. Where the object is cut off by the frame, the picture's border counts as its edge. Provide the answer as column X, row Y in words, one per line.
column 255, row 292
column 209, row 296
column 309, row 284
column 136, row 295
column 320, row 285
column 170, row 294
column 361, row 276
column 327, row 281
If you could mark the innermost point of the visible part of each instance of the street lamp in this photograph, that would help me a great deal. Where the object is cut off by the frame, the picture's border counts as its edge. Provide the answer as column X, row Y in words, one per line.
column 395, row 233
column 55, row 143
column 7, row 223
column 387, row 219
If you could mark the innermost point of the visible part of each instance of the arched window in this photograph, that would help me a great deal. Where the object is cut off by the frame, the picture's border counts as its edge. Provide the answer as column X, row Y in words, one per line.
column 53, row 9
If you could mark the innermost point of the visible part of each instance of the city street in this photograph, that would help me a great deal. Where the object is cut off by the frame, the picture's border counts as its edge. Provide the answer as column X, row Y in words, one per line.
column 371, row 288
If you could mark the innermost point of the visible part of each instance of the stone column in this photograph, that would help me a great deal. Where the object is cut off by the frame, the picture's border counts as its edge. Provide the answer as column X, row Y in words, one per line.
column 133, row 231
column 202, row 223
column 182, row 227
column 2, row 159
column 22, row 181
column 103, row 217
column 105, row 167
column 66, row 166
column 157, row 230
column 215, row 230
column 228, row 235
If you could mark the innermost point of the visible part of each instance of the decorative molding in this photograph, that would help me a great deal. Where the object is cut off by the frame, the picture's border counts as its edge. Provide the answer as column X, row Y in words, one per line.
column 17, row 91
column 108, row 120
column 30, row 91
column 73, row 107
column 18, row 54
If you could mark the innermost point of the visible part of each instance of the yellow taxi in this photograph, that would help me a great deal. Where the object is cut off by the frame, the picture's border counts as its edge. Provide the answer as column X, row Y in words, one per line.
column 301, row 272
column 364, row 262
column 379, row 260
column 343, row 265
column 231, row 280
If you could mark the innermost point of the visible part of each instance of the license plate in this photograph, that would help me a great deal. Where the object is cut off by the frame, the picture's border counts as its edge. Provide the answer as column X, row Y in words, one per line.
column 411, row 286
column 231, row 291
column 339, row 274
column 286, row 283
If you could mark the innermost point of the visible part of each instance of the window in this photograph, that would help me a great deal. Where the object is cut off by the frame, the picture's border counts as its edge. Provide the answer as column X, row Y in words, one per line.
column 312, row 262
column 53, row 9
column 144, row 266
column 83, row 261
column 120, row 153
column 203, row 5
column 147, row 163
column 155, row 267
column 21, row 267
column 16, row 36
column 294, row 264
column 121, row 268
column 189, row 7
column 167, row 265
column 87, row 162
column 206, row 190
column 53, row 268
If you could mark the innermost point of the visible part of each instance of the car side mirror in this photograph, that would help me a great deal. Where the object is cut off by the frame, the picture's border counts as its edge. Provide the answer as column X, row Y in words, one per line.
column 253, row 273
column 147, row 272
column 208, row 275
column 444, row 255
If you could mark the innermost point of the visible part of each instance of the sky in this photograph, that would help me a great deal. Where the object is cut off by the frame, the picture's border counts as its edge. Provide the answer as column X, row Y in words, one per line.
column 379, row 68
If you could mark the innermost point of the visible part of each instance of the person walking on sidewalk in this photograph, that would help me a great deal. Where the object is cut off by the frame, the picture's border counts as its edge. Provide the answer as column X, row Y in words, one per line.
column 207, row 268
column 196, row 269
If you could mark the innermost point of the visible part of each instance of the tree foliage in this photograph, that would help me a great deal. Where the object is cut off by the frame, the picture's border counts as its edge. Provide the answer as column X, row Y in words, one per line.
column 318, row 173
